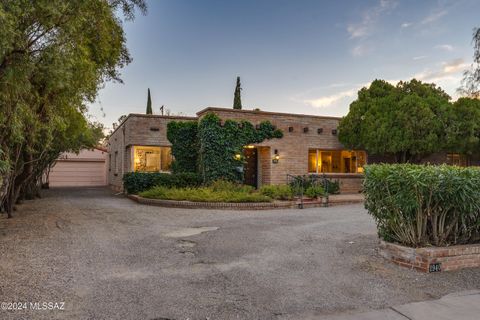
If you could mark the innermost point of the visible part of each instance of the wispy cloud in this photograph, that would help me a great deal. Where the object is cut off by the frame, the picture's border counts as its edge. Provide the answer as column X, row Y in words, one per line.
column 445, row 47
column 434, row 16
column 419, row 57
column 365, row 27
column 360, row 50
column 328, row 100
column 447, row 70
column 406, row 24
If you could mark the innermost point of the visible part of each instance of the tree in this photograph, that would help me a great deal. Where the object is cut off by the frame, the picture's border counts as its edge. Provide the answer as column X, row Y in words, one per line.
column 54, row 57
column 237, row 100
column 471, row 78
column 407, row 120
column 149, row 103
column 463, row 127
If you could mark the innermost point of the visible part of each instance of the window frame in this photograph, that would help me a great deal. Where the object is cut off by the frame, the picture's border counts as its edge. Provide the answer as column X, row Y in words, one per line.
column 160, row 148
column 318, row 152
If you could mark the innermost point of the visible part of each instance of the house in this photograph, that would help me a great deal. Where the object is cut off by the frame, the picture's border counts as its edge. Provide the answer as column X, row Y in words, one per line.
column 88, row 168
column 309, row 146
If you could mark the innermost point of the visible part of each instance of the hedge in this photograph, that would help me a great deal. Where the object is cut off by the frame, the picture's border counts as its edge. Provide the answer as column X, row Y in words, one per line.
column 136, row 182
column 421, row 205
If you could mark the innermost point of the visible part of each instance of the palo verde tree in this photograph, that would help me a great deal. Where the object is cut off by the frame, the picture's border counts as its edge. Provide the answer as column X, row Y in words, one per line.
column 237, row 99
column 149, row 103
column 407, row 120
column 54, row 57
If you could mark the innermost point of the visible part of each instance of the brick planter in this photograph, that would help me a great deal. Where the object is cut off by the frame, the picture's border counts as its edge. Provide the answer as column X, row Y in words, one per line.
column 432, row 259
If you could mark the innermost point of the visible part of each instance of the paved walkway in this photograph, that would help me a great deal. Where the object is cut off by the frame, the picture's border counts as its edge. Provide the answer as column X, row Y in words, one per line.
column 459, row 306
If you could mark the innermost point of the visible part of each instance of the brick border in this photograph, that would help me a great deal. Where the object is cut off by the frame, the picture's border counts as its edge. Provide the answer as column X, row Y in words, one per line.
column 215, row 205
column 448, row 258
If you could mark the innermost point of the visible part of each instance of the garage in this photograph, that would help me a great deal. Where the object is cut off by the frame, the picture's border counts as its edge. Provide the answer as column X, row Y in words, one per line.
column 85, row 169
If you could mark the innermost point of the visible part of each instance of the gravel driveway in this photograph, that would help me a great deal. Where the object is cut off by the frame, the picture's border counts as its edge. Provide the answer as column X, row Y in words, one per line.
column 108, row 257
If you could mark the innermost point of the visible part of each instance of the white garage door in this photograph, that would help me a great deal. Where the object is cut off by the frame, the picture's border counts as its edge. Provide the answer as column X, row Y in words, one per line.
column 73, row 173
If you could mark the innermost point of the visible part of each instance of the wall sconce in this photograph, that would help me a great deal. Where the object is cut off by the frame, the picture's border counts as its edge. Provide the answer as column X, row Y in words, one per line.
column 238, row 156
column 276, row 156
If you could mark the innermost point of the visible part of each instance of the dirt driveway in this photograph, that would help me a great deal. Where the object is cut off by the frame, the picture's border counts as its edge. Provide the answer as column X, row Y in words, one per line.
column 107, row 257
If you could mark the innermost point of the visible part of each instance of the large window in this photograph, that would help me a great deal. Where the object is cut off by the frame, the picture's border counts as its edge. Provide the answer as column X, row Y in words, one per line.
column 336, row 161
column 151, row 159
column 456, row 159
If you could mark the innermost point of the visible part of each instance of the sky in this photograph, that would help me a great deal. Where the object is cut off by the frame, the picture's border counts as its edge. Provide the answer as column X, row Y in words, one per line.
column 296, row 56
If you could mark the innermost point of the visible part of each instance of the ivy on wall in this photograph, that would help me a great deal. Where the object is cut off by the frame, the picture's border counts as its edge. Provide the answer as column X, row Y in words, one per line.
column 210, row 147
column 219, row 145
column 183, row 137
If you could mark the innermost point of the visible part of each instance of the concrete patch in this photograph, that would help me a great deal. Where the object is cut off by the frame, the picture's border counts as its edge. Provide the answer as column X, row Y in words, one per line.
column 187, row 232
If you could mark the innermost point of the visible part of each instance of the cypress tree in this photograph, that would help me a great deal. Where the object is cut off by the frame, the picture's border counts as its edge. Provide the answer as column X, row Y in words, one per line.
column 149, row 103
column 237, row 100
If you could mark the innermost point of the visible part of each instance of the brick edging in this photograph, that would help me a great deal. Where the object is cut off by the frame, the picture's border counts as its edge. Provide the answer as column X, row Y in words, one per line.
column 448, row 258
column 214, row 205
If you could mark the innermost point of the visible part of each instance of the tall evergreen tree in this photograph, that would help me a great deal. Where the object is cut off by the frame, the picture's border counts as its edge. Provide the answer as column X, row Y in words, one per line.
column 237, row 100
column 149, row 103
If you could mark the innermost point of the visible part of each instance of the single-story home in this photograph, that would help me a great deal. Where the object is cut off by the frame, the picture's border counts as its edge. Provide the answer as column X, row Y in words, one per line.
column 309, row 145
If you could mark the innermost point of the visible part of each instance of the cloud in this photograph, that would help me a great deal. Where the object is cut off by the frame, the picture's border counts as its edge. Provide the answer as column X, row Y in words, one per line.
column 445, row 47
column 419, row 57
column 360, row 50
column 326, row 101
column 369, row 18
column 434, row 16
column 448, row 70
column 406, row 24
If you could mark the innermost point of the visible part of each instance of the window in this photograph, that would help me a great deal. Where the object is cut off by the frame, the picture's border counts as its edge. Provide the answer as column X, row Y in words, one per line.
column 336, row 161
column 152, row 159
column 456, row 159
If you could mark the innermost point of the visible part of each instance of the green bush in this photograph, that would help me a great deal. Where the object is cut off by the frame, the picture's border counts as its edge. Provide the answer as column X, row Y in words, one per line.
column 203, row 194
column 136, row 182
column 419, row 205
column 303, row 183
column 314, row 191
column 277, row 192
column 224, row 185
column 183, row 137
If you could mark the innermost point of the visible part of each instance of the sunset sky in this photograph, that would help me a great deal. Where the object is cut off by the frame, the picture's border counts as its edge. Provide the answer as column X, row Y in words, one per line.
column 292, row 56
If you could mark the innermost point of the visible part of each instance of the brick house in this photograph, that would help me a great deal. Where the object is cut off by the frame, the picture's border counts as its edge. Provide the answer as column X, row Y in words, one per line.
column 309, row 146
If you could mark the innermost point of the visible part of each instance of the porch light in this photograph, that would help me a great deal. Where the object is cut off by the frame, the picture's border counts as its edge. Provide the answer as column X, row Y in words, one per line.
column 276, row 156
column 238, row 156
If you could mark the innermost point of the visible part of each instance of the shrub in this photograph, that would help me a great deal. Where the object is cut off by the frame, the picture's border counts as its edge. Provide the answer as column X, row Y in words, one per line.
column 314, row 191
column 418, row 205
column 183, row 137
column 135, row 182
column 278, row 192
column 203, row 194
column 224, row 185
column 302, row 183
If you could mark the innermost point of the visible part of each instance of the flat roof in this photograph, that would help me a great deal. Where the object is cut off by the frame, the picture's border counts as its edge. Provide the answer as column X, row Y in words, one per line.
column 142, row 115
column 213, row 109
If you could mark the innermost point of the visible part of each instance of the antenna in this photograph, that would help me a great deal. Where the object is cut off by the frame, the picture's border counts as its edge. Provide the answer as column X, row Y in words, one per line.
column 161, row 109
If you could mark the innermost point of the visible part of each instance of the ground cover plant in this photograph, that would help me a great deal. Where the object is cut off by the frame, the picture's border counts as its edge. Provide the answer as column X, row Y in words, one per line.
column 421, row 205
column 277, row 192
column 218, row 191
column 136, row 182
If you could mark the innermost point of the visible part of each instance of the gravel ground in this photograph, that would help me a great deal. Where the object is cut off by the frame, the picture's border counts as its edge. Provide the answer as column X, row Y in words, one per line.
column 107, row 257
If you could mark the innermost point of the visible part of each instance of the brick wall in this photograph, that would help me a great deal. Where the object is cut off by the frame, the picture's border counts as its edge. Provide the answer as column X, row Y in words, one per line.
column 293, row 147
column 449, row 258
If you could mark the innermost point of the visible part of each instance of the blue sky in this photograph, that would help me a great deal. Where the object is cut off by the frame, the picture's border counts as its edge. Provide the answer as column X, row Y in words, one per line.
column 296, row 56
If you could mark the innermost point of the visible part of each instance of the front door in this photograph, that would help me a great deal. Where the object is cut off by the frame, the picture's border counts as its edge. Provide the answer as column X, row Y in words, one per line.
column 250, row 166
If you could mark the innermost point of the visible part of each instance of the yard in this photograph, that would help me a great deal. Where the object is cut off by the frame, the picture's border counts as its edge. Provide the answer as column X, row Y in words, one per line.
column 107, row 257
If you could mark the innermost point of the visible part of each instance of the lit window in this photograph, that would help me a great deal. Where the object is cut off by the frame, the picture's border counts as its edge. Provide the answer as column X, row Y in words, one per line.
column 152, row 159
column 336, row 161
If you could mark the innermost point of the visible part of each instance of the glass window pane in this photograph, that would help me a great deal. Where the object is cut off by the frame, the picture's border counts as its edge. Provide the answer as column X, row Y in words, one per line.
column 166, row 159
column 312, row 161
column 147, row 159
